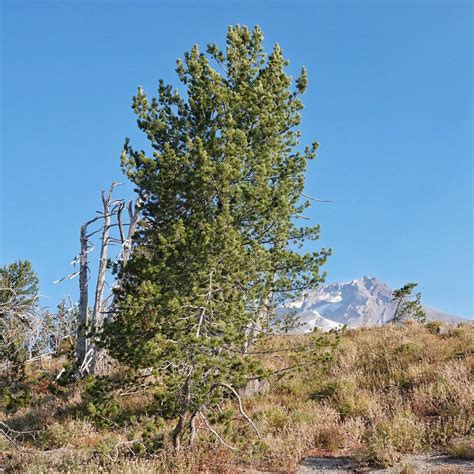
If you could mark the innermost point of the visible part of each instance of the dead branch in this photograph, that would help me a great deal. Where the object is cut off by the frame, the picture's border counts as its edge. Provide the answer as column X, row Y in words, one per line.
column 315, row 199
column 241, row 408
column 215, row 433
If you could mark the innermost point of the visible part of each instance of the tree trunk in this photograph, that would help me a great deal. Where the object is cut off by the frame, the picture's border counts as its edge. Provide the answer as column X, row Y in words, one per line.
column 99, row 289
column 82, row 341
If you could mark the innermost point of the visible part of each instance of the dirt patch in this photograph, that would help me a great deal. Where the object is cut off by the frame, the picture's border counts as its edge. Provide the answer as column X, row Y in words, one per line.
column 410, row 464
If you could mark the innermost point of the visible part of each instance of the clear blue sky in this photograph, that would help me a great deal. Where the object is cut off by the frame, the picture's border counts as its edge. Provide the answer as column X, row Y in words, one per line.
column 390, row 100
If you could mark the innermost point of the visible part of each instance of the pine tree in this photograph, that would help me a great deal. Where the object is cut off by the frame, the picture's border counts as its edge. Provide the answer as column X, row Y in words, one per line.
column 407, row 306
column 217, row 245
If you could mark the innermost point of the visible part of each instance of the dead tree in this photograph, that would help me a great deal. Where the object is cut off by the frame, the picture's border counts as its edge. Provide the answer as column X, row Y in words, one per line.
column 89, row 357
column 99, row 288
column 133, row 215
column 99, row 359
column 83, row 313
column 87, row 323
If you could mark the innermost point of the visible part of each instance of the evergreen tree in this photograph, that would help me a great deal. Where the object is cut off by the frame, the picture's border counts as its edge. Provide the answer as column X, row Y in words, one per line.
column 407, row 306
column 215, row 251
column 19, row 293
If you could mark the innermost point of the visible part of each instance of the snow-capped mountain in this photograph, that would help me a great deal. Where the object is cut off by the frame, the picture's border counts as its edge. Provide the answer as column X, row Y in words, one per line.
column 362, row 302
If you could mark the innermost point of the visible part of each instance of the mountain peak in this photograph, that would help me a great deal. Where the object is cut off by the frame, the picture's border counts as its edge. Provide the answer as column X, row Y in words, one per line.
column 365, row 301
column 367, row 280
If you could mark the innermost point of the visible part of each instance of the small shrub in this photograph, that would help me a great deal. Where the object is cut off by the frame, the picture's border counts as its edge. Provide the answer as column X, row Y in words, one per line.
column 400, row 435
column 63, row 434
column 410, row 351
column 462, row 448
column 441, row 430
column 434, row 327
column 153, row 436
column 276, row 418
column 14, row 400
column 406, row 433
column 107, row 445
column 102, row 408
column 380, row 448
column 327, row 433
column 353, row 404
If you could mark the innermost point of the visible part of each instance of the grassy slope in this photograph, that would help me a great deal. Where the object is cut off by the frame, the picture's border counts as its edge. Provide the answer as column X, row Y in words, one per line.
column 391, row 391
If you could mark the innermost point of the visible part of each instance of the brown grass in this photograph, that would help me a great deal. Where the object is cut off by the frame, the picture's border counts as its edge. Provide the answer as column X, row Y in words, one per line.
column 391, row 391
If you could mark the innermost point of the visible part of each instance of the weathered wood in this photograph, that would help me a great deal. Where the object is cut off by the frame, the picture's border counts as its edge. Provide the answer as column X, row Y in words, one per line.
column 91, row 359
column 133, row 214
column 83, row 314
column 101, row 274
column 101, row 362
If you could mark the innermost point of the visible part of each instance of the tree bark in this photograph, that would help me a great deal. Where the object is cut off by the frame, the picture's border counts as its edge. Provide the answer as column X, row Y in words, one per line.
column 99, row 289
column 83, row 315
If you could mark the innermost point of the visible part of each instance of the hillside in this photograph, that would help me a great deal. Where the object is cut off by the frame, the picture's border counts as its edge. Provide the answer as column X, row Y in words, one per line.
column 387, row 393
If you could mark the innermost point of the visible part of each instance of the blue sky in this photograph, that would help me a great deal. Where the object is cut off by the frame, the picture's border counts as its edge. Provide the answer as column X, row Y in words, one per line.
column 389, row 98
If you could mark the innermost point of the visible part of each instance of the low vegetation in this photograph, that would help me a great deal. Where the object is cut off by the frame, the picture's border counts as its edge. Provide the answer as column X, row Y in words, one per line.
column 384, row 393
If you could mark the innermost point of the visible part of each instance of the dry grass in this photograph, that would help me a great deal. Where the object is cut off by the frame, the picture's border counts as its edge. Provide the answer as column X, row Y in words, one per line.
column 391, row 391
column 462, row 448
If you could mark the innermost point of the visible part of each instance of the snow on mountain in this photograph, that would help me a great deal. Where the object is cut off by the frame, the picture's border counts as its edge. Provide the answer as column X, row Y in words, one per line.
column 362, row 302
column 310, row 319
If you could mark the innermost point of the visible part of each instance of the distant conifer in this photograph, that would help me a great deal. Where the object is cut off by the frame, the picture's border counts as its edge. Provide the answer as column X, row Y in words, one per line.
column 407, row 305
